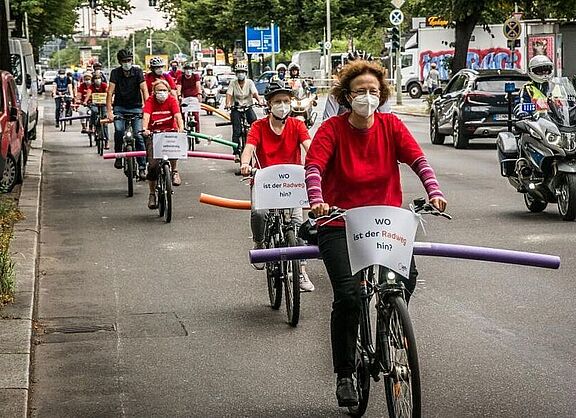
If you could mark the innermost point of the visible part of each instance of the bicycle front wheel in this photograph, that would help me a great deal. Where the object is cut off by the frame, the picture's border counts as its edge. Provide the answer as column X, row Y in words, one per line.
column 274, row 280
column 362, row 375
column 129, row 171
column 99, row 140
column 292, row 271
column 167, row 178
column 397, row 346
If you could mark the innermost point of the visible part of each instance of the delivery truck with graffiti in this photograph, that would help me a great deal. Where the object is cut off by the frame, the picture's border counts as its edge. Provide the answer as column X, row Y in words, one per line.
column 488, row 49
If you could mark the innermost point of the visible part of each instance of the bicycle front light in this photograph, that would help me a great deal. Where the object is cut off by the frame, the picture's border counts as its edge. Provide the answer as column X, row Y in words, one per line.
column 128, row 134
column 391, row 276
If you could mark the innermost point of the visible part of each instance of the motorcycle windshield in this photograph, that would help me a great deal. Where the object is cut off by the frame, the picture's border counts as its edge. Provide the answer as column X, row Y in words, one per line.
column 562, row 102
column 300, row 93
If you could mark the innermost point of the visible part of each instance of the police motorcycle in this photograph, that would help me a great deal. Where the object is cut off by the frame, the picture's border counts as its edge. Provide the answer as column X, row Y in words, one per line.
column 211, row 92
column 302, row 104
column 538, row 156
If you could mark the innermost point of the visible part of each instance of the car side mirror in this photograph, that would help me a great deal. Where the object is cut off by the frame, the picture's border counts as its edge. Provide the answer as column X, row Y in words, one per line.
column 13, row 114
column 28, row 81
column 438, row 91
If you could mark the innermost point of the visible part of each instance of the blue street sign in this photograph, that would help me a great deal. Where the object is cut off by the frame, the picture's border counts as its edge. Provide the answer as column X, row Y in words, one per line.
column 259, row 40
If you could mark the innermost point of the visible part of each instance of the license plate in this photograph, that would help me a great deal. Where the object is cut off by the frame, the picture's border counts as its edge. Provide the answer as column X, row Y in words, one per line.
column 501, row 117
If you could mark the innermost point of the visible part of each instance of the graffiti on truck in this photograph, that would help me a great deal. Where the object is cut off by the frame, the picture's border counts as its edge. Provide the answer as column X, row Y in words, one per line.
column 477, row 59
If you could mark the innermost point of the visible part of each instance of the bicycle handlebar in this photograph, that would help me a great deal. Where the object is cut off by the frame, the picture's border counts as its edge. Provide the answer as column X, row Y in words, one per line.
column 420, row 206
column 227, row 123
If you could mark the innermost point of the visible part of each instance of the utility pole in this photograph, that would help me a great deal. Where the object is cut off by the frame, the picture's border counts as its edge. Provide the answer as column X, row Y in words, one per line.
column 328, row 42
column 399, row 71
column 273, row 45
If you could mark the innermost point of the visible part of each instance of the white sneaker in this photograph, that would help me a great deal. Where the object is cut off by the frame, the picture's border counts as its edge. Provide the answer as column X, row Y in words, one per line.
column 305, row 284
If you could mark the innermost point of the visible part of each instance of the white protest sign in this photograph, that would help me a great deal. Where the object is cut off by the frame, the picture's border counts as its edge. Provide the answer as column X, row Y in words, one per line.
column 280, row 187
column 173, row 145
column 190, row 104
column 382, row 235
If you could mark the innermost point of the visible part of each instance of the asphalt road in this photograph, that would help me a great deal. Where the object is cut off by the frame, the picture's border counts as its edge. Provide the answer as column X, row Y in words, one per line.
column 143, row 319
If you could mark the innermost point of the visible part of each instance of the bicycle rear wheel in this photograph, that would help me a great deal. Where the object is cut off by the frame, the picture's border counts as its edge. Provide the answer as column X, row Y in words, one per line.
column 98, row 137
column 292, row 271
column 397, row 345
column 274, row 281
column 90, row 138
column 129, row 171
column 167, row 178
column 362, row 375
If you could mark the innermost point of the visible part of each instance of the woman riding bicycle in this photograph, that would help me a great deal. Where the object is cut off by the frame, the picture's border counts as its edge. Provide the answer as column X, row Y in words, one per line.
column 241, row 92
column 275, row 140
column 98, row 111
column 81, row 98
column 353, row 162
column 161, row 114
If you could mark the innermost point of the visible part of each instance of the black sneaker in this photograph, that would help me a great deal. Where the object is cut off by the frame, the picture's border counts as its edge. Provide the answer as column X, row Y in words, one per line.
column 118, row 163
column 346, row 392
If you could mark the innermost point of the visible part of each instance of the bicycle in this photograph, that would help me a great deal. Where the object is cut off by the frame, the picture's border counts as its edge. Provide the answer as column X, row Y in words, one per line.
column 65, row 110
column 129, row 163
column 189, row 121
column 90, row 131
column 98, row 108
column 244, row 126
column 164, row 188
column 395, row 354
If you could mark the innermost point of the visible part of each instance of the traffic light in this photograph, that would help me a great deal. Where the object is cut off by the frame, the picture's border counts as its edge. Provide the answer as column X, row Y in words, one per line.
column 322, row 50
column 93, row 4
column 395, row 39
column 152, row 3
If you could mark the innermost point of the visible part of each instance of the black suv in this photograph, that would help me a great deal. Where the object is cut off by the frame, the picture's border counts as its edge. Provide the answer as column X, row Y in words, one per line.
column 473, row 104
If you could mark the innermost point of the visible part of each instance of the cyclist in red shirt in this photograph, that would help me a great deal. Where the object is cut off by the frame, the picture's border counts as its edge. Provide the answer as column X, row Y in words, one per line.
column 98, row 86
column 175, row 72
column 353, row 162
column 81, row 95
column 157, row 73
column 276, row 139
column 189, row 86
column 161, row 113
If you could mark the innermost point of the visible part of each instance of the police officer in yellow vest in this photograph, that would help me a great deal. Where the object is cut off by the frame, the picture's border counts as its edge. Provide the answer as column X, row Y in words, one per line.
column 540, row 70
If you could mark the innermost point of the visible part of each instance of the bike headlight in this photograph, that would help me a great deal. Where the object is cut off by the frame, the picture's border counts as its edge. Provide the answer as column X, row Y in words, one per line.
column 128, row 134
column 553, row 139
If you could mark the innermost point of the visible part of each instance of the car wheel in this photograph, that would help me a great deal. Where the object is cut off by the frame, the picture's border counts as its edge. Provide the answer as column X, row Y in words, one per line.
column 435, row 137
column 461, row 140
column 10, row 175
column 415, row 90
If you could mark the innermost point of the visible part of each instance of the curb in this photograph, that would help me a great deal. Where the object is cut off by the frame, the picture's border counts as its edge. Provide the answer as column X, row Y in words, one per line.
column 16, row 318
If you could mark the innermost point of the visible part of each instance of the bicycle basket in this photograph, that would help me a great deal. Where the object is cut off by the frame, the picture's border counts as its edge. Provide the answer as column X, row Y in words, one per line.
column 308, row 232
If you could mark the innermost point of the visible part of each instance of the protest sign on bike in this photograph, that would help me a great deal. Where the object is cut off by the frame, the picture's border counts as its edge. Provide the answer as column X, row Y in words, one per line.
column 280, row 186
column 382, row 235
column 172, row 145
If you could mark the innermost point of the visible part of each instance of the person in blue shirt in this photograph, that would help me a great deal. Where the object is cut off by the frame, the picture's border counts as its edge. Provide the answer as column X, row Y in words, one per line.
column 62, row 90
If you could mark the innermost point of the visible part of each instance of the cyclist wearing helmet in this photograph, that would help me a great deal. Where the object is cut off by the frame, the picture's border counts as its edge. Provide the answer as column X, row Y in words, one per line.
column 333, row 108
column 276, row 139
column 98, row 71
column 175, row 72
column 157, row 73
column 81, row 98
column 209, row 78
column 281, row 70
column 126, row 93
column 189, row 86
column 62, row 87
column 98, row 86
column 241, row 91
column 540, row 70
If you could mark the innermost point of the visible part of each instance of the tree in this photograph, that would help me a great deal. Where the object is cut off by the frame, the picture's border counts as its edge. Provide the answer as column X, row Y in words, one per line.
column 4, row 46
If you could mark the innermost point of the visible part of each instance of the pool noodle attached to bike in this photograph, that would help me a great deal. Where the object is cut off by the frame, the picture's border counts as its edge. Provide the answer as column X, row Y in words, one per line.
column 224, row 202
column 214, row 139
column 193, row 154
column 433, row 249
column 220, row 113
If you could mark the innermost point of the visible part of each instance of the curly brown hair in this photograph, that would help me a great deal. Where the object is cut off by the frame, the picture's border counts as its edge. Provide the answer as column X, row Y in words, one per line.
column 357, row 68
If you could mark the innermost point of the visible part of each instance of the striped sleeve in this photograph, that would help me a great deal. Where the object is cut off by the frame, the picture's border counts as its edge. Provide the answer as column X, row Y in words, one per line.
column 314, row 185
column 426, row 174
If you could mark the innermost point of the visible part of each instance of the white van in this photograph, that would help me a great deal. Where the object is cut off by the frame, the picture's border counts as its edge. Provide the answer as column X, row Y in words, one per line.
column 24, row 72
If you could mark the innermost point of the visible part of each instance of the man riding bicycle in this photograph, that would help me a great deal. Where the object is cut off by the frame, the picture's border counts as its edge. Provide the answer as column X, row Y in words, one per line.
column 98, row 86
column 241, row 91
column 126, row 93
column 82, row 98
column 62, row 87
column 276, row 140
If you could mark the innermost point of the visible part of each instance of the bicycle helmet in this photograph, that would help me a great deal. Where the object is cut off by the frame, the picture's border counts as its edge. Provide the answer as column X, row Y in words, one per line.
column 276, row 87
column 188, row 66
column 292, row 66
column 359, row 55
column 156, row 62
column 209, row 67
column 540, row 68
column 241, row 67
column 281, row 67
column 124, row 54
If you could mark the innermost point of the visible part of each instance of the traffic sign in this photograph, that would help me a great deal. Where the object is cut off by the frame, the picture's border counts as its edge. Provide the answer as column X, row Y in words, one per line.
column 396, row 17
column 328, row 45
column 512, row 28
column 259, row 40
column 397, row 3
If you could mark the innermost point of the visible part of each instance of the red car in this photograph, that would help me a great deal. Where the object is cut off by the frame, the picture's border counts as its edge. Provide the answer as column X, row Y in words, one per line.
column 13, row 149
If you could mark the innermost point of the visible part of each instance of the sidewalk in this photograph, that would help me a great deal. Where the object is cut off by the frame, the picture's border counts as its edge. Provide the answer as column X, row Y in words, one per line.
column 16, row 318
column 411, row 109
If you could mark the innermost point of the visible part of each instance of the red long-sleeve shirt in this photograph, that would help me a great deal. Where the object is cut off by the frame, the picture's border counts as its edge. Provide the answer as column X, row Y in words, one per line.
column 349, row 167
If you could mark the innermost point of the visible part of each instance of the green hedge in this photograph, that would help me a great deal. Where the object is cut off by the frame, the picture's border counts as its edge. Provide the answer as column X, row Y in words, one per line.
column 9, row 215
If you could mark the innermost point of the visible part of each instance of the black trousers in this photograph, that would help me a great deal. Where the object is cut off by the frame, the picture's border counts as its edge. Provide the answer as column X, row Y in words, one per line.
column 345, row 316
column 237, row 125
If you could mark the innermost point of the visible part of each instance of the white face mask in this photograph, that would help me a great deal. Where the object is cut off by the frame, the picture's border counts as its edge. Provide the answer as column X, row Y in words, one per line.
column 365, row 105
column 280, row 110
column 188, row 72
column 126, row 66
column 161, row 96
column 62, row 76
column 241, row 76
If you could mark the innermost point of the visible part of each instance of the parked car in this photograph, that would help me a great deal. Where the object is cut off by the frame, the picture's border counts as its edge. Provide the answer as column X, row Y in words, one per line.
column 224, row 80
column 24, row 72
column 473, row 104
column 263, row 81
column 49, row 77
column 13, row 145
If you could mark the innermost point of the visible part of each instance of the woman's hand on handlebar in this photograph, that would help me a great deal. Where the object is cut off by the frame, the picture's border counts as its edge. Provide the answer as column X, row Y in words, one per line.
column 146, row 132
column 320, row 209
column 439, row 203
column 246, row 169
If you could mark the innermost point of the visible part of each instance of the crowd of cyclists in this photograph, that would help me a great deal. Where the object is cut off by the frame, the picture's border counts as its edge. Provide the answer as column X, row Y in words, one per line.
column 357, row 148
